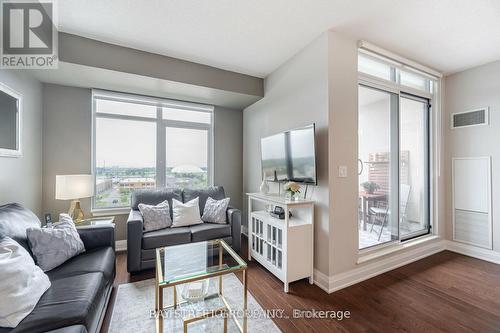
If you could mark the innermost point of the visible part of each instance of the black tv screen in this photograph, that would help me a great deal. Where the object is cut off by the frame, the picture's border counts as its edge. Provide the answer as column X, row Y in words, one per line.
column 290, row 156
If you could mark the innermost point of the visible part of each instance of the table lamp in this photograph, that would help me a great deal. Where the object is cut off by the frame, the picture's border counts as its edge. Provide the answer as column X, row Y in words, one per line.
column 74, row 188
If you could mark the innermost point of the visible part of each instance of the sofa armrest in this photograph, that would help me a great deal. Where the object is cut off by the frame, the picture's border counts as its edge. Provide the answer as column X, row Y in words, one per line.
column 134, row 241
column 94, row 237
column 234, row 219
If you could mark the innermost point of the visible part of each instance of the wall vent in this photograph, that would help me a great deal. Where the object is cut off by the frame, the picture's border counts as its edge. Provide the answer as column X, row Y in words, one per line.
column 470, row 118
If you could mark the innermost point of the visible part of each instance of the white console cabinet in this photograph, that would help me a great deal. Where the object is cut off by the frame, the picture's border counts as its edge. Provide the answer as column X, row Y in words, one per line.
column 284, row 247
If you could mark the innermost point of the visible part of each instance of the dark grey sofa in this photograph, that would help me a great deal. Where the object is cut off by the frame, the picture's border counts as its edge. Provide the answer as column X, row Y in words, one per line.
column 141, row 245
column 77, row 299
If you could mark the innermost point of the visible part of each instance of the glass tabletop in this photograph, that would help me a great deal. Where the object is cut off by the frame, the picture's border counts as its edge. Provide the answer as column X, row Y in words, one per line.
column 96, row 221
column 188, row 262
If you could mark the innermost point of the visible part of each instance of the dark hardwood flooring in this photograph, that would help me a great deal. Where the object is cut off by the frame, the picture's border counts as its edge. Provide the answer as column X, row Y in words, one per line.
column 446, row 292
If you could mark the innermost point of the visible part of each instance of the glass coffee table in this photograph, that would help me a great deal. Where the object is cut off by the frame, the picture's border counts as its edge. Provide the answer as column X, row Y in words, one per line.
column 193, row 265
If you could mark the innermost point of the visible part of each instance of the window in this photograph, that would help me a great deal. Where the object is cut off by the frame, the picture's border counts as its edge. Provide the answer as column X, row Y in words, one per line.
column 142, row 142
column 369, row 65
column 374, row 66
column 187, row 157
column 393, row 152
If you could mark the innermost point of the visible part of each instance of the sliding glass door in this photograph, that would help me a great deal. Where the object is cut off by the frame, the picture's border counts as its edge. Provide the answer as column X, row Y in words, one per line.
column 377, row 158
column 393, row 157
column 414, row 185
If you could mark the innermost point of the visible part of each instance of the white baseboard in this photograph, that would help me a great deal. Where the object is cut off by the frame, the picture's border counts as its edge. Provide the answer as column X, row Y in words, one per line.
column 321, row 280
column 121, row 245
column 363, row 272
column 473, row 251
column 376, row 267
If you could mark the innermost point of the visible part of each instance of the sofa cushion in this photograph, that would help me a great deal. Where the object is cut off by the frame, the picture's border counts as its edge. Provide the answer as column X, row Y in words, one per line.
column 205, row 231
column 166, row 237
column 73, row 300
column 96, row 260
column 14, row 220
column 215, row 192
column 53, row 246
column 154, row 197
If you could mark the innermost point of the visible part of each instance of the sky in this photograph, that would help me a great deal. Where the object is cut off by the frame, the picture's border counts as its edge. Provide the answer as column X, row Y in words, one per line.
column 132, row 143
column 127, row 143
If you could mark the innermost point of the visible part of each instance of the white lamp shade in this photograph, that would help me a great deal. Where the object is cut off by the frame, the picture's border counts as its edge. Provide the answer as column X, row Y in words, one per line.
column 70, row 187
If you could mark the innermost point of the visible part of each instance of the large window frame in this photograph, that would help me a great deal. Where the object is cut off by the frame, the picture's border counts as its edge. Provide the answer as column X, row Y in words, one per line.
column 431, row 93
column 161, row 127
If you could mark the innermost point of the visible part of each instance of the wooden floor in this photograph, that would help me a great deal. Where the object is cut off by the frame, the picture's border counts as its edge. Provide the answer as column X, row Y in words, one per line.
column 446, row 292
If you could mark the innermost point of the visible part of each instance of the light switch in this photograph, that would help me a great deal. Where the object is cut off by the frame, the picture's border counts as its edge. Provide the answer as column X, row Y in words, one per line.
column 342, row 171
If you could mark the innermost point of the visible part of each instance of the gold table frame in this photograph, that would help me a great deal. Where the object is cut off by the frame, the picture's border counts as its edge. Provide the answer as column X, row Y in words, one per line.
column 225, row 310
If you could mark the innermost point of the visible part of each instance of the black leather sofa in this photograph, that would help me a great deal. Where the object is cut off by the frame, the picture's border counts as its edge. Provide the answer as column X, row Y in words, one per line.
column 77, row 299
column 141, row 245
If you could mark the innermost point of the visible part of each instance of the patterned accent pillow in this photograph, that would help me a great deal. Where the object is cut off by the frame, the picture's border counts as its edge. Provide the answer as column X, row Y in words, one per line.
column 155, row 217
column 215, row 210
column 53, row 246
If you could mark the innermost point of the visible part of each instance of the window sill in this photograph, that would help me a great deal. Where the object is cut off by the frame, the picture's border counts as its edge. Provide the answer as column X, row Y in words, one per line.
column 110, row 211
column 369, row 255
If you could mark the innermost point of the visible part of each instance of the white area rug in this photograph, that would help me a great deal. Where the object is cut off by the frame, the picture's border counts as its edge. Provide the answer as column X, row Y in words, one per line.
column 134, row 302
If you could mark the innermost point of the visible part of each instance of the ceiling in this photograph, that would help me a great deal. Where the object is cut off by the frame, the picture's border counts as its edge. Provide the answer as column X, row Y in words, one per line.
column 255, row 37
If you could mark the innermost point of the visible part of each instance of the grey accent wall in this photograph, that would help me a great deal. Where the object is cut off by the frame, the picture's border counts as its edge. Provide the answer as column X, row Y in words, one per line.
column 67, row 146
column 66, row 140
column 296, row 94
column 21, row 178
column 228, row 164
column 89, row 52
column 471, row 89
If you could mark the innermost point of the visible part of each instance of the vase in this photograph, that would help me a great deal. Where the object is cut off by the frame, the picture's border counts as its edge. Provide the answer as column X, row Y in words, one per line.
column 264, row 187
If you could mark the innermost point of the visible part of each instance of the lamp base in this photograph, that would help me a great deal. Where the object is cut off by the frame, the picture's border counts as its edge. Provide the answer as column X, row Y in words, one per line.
column 75, row 211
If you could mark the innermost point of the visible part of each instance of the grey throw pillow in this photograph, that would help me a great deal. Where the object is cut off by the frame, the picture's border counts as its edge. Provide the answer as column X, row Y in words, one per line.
column 215, row 210
column 53, row 246
column 155, row 217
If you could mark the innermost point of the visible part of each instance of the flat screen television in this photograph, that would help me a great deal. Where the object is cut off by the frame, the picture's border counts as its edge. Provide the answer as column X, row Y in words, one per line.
column 290, row 156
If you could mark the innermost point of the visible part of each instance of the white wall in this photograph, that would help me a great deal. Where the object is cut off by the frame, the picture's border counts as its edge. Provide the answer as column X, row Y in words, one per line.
column 468, row 90
column 343, row 150
column 296, row 94
column 21, row 178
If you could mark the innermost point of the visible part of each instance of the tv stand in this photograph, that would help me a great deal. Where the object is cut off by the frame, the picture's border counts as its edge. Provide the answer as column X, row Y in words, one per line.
column 284, row 247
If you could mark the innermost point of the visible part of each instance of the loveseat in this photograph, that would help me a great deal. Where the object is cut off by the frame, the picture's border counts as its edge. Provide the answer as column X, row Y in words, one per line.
column 141, row 246
column 80, row 288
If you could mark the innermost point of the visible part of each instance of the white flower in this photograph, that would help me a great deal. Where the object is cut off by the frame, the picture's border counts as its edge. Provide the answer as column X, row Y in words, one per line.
column 292, row 187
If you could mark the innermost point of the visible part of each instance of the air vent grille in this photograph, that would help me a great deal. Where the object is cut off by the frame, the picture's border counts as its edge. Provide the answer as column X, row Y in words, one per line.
column 470, row 118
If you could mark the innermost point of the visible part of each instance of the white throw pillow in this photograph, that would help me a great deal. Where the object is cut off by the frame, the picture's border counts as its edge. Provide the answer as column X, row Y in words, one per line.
column 22, row 283
column 215, row 210
column 53, row 246
column 185, row 214
column 155, row 217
